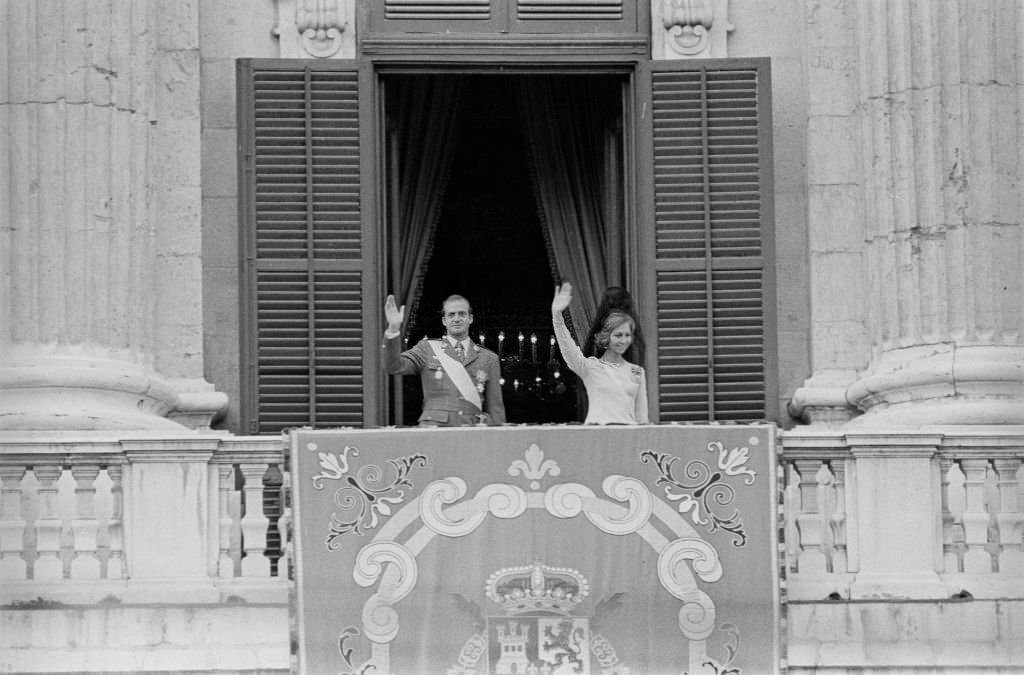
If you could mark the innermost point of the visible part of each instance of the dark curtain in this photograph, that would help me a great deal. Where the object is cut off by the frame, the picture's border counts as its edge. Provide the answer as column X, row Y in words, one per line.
column 564, row 124
column 422, row 116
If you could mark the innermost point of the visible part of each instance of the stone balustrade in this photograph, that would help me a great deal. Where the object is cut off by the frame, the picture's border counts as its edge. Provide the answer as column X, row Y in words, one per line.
column 979, row 544
column 921, row 531
column 161, row 553
column 62, row 512
column 903, row 550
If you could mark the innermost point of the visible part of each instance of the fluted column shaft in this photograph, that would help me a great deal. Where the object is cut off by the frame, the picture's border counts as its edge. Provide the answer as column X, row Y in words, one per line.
column 78, row 109
column 99, row 187
column 941, row 91
column 939, row 96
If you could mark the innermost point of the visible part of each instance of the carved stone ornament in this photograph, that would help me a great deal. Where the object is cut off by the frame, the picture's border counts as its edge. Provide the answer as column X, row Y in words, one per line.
column 322, row 29
column 689, row 29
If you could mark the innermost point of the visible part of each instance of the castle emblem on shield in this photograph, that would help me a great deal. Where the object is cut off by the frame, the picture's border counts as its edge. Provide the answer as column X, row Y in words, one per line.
column 537, row 635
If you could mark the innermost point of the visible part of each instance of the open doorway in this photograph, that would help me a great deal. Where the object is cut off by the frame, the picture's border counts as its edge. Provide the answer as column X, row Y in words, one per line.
column 480, row 200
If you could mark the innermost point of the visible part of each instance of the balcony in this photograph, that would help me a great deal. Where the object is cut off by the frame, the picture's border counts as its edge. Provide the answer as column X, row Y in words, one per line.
column 896, row 550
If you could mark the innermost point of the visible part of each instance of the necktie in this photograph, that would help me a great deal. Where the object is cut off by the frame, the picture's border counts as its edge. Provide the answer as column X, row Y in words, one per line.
column 460, row 351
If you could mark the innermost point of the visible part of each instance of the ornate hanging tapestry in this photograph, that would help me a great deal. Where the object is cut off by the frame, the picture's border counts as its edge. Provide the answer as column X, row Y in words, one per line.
column 536, row 550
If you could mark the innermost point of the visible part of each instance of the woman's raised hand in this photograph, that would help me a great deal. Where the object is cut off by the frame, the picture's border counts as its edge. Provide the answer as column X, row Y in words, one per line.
column 393, row 315
column 563, row 296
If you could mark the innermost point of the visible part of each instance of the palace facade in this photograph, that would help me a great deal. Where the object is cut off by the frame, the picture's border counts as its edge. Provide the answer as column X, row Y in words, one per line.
column 816, row 204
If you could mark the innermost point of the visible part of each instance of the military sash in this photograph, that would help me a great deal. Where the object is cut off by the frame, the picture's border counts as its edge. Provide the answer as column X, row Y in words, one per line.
column 457, row 374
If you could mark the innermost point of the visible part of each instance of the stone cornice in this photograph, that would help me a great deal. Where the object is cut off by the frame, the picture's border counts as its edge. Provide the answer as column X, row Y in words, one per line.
column 525, row 49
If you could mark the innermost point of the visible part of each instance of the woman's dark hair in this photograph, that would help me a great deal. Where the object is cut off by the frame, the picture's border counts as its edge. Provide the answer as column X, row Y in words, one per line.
column 615, row 299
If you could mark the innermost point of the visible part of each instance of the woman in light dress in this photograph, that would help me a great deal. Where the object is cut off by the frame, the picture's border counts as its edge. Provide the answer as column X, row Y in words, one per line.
column 616, row 388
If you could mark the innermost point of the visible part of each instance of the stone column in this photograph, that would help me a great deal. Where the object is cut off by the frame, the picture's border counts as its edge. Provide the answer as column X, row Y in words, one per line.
column 100, row 274
column 941, row 90
column 939, row 99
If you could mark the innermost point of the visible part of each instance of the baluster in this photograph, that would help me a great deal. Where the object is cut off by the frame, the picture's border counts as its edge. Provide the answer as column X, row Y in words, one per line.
column 85, row 563
column 791, row 509
column 1010, row 518
column 272, row 509
column 837, row 519
column 951, row 561
column 48, row 525
column 283, row 525
column 225, row 485
column 976, row 518
column 826, row 503
column 115, row 526
column 254, row 523
column 12, row 525
column 810, row 520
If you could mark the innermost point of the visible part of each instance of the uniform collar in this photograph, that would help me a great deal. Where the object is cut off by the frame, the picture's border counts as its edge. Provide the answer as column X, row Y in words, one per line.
column 453, row 342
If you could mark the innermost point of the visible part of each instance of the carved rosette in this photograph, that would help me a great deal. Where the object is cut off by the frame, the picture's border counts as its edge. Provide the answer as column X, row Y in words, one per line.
column 322, row 29
column 689, row 29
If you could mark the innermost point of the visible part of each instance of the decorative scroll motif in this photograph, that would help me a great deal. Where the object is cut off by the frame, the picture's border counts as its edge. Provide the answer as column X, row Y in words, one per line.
column 499, row 499
column 534, row 467
column 364, row 497
column 568, row 500
column 711, row 666
column 686, row 29
column 320, row 29
column 395, row 567
column 346, row 653
column 698, row 498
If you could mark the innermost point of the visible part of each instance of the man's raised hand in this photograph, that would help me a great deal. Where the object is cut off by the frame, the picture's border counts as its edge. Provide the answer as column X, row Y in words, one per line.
column 393, row 315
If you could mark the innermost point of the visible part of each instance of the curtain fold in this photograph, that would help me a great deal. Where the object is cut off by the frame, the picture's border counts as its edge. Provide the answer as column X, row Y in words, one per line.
column 423, row 113
column 565, row 139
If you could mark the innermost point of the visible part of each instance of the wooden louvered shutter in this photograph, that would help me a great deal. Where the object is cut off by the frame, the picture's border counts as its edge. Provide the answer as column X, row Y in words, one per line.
column 513, row 17
column 425, row 16
column 574, row 16
column 302, row 338
column 713, row 240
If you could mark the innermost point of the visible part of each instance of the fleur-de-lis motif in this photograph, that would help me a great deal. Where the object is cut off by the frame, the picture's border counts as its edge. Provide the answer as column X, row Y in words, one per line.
column 534, row 467
column 332, row 466
column 732, row 461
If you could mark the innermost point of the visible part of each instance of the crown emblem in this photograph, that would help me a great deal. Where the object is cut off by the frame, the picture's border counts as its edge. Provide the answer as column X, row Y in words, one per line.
column 537, row 587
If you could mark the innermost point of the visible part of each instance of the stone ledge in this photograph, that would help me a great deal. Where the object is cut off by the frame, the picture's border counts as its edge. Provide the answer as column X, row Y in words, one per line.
column 899, row 634
column 144, row 638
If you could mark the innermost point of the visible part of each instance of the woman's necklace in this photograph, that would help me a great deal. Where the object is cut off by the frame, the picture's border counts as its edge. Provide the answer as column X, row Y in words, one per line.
column 614, row 364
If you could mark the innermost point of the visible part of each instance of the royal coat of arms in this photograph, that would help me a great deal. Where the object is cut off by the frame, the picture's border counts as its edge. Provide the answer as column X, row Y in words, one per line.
column 537, row 634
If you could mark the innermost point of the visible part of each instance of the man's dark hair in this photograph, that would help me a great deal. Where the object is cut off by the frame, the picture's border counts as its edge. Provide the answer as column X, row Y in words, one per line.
column 455, row 298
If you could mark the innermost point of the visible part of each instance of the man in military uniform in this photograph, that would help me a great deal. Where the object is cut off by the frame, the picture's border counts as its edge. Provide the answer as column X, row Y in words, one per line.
column 461, row 379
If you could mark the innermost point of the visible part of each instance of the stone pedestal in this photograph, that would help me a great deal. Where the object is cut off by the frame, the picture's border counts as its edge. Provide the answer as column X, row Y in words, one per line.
column 100, row 278
column 899, row 516
column 167, row 513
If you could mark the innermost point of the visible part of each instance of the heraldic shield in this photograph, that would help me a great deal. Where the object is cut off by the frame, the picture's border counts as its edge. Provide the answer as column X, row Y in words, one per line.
column 536, row 550
column 538, row 645
column 538, row 636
